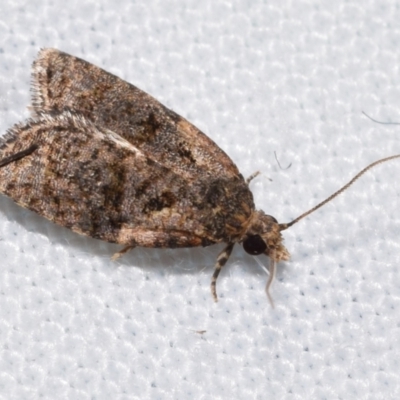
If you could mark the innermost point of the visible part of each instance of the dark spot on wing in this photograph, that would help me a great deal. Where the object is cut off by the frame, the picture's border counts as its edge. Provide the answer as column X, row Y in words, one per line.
column 184, row 152
column 166, row 200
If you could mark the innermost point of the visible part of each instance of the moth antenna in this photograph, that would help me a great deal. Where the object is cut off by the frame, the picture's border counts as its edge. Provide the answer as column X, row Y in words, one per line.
column 271, row 278
column 282, row 227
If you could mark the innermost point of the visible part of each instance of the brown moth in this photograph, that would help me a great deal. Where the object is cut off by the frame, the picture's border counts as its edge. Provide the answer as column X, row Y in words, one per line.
column 105, row 159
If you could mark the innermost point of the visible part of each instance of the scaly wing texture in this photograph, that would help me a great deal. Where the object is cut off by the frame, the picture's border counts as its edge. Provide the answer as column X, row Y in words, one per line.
column 97, row 183
column 61, row 81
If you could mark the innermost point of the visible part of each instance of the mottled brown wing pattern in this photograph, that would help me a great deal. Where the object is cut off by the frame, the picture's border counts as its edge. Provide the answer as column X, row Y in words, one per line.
column 61, row 81
column 96, row 183
column 107, row 160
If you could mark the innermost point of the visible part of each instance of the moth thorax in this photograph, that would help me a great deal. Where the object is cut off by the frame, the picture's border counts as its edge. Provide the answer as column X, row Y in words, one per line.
column 264, row 237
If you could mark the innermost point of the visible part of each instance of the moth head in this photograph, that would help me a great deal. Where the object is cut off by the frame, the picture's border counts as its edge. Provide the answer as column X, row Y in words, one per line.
column 264, row 233
column 264, row 237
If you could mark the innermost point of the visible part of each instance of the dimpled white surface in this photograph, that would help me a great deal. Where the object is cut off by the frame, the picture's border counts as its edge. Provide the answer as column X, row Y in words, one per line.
column 257, row 77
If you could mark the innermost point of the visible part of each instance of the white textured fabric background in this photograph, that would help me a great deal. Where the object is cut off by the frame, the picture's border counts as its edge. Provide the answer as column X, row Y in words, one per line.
column 257, row 77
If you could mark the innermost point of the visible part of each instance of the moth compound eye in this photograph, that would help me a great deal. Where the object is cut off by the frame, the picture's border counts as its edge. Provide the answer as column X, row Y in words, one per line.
column 273, row 219
column 254, row 245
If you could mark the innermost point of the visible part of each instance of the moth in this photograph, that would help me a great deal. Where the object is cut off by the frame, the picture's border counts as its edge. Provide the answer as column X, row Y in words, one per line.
column 106, row 160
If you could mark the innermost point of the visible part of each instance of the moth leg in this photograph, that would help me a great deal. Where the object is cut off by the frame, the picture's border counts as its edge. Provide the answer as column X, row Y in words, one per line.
column 221, row 261
column 271, row 278
column 252, row 176
column 19, row 155
column 118, row 254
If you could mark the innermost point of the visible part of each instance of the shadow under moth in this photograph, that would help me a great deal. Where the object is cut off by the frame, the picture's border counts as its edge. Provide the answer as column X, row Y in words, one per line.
column 103, row 158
